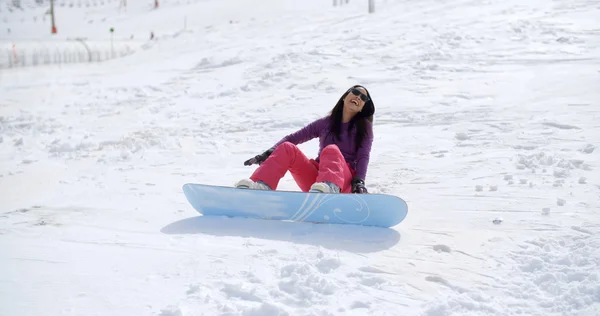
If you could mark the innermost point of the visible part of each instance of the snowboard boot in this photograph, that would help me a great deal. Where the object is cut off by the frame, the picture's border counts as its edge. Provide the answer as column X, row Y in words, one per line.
column 324, row 187
column 249, row 184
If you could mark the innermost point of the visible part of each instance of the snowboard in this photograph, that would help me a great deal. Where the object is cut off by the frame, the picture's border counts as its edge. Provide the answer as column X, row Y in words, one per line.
column 381, row 210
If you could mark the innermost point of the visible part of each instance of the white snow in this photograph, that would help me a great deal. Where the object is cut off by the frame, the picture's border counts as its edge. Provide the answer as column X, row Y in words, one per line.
column 485, row 109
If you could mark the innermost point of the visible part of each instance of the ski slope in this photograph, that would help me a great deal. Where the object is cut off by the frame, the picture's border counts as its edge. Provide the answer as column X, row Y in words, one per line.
column 484, row 110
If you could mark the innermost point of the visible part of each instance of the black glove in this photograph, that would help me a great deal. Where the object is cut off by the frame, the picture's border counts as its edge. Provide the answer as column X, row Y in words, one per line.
column 259, row 158
column 358, row 186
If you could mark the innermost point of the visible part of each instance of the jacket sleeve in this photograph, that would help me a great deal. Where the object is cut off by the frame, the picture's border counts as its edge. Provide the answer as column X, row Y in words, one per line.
column 364, row 153
column 304, row 134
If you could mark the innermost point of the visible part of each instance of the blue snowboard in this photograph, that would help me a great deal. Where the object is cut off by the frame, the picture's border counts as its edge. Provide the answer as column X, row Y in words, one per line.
column 380, row 210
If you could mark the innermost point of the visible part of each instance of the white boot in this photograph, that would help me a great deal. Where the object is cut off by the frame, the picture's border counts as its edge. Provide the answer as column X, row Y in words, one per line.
column 249, row 184
column 324, row 187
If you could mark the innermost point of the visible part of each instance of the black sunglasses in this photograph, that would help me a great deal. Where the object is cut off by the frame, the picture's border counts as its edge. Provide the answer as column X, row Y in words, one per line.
column 363, row 96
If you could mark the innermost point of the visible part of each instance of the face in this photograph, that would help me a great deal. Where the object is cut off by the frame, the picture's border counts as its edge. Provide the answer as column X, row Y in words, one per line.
column 354, row 103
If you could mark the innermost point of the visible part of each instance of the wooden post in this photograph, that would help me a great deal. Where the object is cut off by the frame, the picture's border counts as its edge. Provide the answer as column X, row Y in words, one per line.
column 52, row 16
column 371, row 6
column 112, row 49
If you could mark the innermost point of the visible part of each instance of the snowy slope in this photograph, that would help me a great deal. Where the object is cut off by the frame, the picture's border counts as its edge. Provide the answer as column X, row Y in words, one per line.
column 92, row 19
column 485, row 109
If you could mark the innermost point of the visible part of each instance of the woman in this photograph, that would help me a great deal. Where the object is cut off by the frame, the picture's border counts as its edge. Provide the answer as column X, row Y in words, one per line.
column 345, row 139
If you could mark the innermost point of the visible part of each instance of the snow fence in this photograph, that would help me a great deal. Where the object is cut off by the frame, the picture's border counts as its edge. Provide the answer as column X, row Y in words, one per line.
column 34, row 53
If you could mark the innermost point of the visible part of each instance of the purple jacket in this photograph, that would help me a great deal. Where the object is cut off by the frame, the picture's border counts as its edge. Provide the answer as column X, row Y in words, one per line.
column 357, row 159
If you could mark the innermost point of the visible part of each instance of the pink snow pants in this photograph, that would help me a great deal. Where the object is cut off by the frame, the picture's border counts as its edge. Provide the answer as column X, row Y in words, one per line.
column 331, row 167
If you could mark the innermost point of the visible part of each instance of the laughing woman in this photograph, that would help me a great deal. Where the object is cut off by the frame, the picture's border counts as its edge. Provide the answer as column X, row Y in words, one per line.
column 345, row 139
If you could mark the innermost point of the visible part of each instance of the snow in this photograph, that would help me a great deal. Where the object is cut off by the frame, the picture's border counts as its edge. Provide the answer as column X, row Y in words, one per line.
column 484, row 110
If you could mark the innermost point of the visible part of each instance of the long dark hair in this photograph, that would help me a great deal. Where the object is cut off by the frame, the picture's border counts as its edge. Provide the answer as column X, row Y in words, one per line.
column 359, row 120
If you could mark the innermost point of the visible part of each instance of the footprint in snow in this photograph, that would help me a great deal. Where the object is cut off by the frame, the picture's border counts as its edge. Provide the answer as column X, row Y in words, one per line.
column 250, row 277
column 462, row 136
column 440, row 280
column 304, row 284
column 240, row 292
column 170, row 311
column 327, row 265
column 368, row 280
column 546, row 211
column 373, row 270
column 588, row 149
column 439, row 153
column 492, row 188
column 192, row 289
column 358, row 304
column 265, row 309
column 442, row 248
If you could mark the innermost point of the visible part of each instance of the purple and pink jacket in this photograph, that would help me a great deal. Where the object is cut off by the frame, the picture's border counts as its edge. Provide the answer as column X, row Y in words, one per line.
column 358, row 160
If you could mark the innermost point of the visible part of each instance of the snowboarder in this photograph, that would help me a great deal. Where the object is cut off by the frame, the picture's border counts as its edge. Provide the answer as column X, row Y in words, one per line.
column 345, row 139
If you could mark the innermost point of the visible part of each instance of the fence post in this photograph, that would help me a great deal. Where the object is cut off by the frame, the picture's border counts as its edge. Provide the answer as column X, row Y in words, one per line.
column 81, row 40
column 371, row 6
column 15, row 56
column 34, row 58
column 112, row 50
column 52, row 16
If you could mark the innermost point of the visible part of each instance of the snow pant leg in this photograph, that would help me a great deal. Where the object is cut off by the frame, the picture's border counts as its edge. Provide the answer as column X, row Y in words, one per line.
column 287, row 157
column 334, row 168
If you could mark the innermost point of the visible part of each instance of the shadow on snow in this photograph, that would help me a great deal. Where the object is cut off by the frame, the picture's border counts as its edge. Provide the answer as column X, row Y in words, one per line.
column 352, row 238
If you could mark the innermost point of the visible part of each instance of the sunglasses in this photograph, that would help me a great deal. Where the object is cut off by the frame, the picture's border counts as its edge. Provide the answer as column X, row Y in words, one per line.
column 363, row 96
